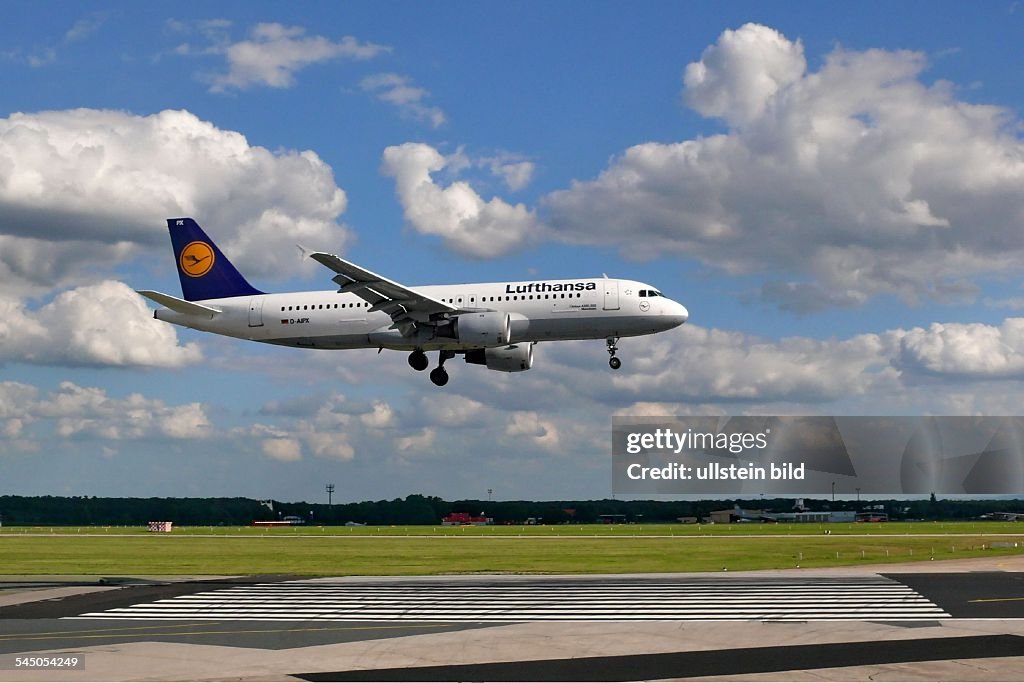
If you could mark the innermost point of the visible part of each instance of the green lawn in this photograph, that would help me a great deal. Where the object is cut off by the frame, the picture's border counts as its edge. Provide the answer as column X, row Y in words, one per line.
column 435, row 550
column 582, row 530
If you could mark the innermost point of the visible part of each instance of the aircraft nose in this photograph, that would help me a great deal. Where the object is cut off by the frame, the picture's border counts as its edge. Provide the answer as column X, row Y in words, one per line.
column 677, row 314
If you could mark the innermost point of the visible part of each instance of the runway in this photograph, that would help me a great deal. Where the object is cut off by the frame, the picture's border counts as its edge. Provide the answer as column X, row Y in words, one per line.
column 538, row 599
column 843, row 625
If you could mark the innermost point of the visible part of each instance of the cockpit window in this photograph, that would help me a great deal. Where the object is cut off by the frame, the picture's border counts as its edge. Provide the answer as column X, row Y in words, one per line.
column 654, row 293
column 643, row 293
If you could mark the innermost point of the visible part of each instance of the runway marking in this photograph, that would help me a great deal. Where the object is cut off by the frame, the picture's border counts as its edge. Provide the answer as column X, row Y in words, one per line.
column 72, row 635
column 996, row 600
column 732, row 599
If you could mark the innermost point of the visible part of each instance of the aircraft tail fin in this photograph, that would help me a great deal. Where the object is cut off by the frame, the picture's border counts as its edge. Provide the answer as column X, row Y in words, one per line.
column 204, row 271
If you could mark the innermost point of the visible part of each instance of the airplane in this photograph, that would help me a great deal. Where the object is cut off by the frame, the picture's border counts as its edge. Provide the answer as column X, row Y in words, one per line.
column 494, row 324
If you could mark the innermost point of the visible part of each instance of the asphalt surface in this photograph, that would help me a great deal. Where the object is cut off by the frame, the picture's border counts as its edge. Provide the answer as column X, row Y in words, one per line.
column 53, row 635
column 971, row 595
column 55, row 625
column 698, row 664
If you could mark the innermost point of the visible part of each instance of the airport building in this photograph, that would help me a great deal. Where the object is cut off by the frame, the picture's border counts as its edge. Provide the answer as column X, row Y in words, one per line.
column 738, row 514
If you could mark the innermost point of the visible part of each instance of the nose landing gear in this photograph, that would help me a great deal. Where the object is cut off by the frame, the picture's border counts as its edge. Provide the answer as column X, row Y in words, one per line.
column 613, row 360
column 439, row 375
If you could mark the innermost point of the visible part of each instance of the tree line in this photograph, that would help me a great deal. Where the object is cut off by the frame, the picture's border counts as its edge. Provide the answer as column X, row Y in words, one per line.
column 418, row 509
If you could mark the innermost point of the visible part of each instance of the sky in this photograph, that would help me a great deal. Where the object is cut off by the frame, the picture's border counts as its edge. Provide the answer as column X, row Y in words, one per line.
column 834, row 191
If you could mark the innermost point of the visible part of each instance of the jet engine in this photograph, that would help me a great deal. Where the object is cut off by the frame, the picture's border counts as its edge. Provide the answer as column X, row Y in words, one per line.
column 514, row 358
column 489, row 328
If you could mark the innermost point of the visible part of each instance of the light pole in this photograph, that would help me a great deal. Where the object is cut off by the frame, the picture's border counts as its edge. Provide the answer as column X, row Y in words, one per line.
column 330, row 493
column 833, row 492
column 489, row 492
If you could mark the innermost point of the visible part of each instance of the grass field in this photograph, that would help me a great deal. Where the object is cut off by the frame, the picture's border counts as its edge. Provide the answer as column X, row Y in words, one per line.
column 364, row 551
column 567, row 530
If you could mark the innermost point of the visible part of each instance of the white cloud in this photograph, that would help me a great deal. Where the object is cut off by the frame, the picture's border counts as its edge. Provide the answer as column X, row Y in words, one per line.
column 736, row 77
column 514, row 171
column 965, row 350
column 539, row 432
column 416, row 442
column 285, row 450
column 186, row 422
column 456, row 213
column 324, row 427
column 275, row 52
column 88, row 187
column 73, row 411
column 380, row 417
column 707, row 365
column 47, row 54
column 83, row 28
column 102, row 324
column 451, row 412
column 398, row 91
column 330, row 445
column 856, row 179
column 43, row 57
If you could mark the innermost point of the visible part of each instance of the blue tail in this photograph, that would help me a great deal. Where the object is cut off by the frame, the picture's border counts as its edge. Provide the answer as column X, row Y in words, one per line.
column 205, row 272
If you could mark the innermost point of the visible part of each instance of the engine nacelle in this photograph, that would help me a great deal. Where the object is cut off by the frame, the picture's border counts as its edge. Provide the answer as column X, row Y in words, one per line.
column 490, row 328
column 515, row 358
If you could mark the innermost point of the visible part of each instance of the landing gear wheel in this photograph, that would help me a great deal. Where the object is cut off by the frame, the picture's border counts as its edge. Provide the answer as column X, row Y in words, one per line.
column 614, row 362
column 439, row 375
column 418, row 361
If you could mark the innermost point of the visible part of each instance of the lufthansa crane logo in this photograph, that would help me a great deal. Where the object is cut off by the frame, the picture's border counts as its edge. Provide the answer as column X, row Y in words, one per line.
column 196, row 259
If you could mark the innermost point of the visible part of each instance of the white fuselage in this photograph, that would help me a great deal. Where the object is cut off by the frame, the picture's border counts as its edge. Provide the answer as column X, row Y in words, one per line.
column 540, row 311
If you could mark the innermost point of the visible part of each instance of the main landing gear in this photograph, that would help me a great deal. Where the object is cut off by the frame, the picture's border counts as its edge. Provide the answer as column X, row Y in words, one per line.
column 418, row 360
column 439, row 375
column 613, row 361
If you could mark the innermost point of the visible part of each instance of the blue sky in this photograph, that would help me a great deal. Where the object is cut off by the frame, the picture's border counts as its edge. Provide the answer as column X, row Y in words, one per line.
column 836, row 192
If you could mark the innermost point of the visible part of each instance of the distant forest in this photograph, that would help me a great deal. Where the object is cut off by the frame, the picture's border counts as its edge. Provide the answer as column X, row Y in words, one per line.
column 417, row 509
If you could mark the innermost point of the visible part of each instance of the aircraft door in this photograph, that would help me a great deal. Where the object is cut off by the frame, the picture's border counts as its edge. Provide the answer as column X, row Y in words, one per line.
column 256, row 311
column 611, row 294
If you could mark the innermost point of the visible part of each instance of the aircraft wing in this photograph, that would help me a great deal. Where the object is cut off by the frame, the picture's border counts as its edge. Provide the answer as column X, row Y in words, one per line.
column 403, row 304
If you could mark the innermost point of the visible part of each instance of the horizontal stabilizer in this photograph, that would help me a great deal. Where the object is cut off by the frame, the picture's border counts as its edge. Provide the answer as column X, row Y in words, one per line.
column 179, row 305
